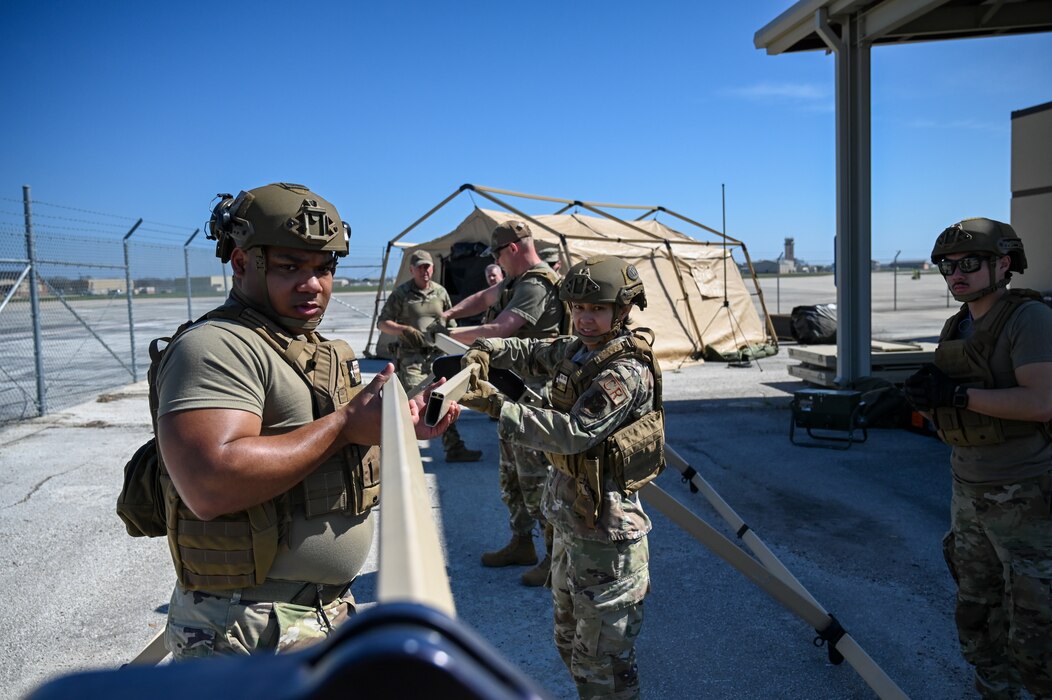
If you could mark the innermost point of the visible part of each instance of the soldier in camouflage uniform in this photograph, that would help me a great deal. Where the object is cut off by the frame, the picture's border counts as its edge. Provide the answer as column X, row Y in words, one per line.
column 604, row 436
column 412, row 309
column 264, row 433
column 525, row 305
column 989, row 394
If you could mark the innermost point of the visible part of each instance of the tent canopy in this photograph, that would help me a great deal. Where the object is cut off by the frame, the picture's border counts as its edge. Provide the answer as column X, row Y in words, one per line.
column 697, row 303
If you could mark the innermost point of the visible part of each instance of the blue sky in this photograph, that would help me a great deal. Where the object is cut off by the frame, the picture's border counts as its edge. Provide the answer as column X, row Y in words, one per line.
column 139, row 109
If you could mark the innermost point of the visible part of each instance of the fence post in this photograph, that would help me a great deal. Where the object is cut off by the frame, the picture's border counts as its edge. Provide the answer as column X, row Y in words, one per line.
column 128, row 290
column 34, row 304
column 186, row 266
column 895, row 281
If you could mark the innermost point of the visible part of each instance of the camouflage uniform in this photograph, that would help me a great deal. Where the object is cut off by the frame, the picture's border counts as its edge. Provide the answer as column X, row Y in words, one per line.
column 999, row 547
column 419, row 308
column 237, row 624
column 523, row 470
column 599, row 571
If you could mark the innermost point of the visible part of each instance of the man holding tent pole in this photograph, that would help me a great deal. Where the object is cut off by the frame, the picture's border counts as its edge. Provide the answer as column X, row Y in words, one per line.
column 412, row 307
column 527, row 305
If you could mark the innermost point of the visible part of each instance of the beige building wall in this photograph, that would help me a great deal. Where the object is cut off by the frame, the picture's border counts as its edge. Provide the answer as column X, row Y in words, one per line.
column 1032, row 192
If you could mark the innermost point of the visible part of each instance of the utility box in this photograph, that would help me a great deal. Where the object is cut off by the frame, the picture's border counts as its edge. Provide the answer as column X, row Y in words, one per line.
column 837, row 413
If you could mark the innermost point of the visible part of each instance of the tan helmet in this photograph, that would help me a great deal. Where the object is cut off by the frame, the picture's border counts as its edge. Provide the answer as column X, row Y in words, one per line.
column 279, row 214
column 983, row 236
column 603, row 279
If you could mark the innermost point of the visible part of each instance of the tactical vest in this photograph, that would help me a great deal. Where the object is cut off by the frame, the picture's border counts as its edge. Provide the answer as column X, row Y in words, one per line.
column 633, row 455
column 553, row 279
column 967, row 360
column 237, row 550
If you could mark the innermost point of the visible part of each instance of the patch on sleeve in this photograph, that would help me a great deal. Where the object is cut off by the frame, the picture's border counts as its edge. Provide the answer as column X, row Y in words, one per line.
column 593, row 404
column 561, row 381
column 615, row 390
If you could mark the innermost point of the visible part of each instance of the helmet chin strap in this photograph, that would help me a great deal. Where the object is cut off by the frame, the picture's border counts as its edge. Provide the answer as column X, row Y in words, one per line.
column 257, row 266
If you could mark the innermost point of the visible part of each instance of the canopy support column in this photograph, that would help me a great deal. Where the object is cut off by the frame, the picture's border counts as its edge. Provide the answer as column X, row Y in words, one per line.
column 853, row 216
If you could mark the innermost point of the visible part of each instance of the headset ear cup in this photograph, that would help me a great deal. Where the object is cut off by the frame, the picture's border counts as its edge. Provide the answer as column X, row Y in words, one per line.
column 224, row 248
column 220, row 228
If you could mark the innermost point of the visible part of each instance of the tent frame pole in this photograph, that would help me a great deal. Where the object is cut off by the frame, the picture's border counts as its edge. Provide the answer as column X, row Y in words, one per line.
column 380, row 289
column 491, row 193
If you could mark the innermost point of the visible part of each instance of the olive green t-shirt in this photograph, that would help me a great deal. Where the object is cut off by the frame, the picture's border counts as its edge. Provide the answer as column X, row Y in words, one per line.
column 1026, row 339
column 536, row 301
column 222, row 364
column 419, row 308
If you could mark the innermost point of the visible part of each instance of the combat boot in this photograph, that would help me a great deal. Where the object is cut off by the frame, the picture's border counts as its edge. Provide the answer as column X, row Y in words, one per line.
column 460, row 453
column 538, row 575
column 519, row 551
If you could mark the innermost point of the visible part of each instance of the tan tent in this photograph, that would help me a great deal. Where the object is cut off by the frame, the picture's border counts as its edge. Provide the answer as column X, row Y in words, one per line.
column 698, row 304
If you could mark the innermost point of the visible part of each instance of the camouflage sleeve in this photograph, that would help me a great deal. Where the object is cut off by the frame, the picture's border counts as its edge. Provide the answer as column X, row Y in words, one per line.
column 392, row 310
column 603, row 408
column 530, row 357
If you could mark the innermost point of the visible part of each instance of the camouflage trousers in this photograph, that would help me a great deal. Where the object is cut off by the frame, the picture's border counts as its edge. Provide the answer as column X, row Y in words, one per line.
column 597, row 593
column 999, row 550
column 227, row 624
column 413, row 368
column 522, row 475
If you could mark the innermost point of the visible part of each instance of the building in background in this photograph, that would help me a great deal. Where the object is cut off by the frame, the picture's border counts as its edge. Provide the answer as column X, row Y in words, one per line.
column 1032, row 192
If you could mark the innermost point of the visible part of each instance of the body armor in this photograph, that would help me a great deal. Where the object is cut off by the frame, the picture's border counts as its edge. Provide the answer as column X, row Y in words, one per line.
column 237, row 550
column 552, row 278
column 630, row 457
column 967, row 360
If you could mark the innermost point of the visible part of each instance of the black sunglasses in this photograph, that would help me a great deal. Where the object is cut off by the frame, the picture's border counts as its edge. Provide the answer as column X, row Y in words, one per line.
column 495, row 253
column 969, row 263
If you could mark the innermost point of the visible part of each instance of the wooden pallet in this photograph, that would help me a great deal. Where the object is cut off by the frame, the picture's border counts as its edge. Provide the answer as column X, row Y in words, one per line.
column 892, row 362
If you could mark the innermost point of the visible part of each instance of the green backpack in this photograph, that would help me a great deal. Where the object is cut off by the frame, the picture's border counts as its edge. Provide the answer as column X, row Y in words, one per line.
column 141, row 501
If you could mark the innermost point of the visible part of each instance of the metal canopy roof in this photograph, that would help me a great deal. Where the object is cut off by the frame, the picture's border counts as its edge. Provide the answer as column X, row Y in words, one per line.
column 902, row 21
column 849, row 29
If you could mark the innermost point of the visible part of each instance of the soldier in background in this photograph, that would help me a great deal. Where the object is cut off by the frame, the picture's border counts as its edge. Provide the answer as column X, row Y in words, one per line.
column 413, row 307
column 989, row 395
column 493, row 274
column 606, row 403
column 551, row 256
column 524, row 305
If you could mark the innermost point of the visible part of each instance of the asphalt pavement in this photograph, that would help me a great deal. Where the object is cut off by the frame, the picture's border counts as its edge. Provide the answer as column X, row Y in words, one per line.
column 859, row 528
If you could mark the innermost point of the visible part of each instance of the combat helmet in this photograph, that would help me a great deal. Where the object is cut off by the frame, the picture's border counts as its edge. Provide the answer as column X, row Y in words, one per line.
column 604, row 279
column 280, row 214
column 983, row 236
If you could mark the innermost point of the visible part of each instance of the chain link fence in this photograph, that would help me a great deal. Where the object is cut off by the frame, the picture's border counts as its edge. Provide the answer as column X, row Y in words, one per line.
column 83, row 293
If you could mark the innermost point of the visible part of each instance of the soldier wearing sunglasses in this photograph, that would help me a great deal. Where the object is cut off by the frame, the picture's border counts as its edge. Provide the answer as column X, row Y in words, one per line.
column 989, row 394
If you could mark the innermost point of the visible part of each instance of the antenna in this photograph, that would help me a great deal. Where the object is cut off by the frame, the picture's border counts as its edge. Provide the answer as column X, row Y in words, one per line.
column 745, row 362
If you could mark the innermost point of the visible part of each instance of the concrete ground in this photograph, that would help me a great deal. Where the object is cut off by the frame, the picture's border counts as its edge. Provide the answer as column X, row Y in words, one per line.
column 860, row 528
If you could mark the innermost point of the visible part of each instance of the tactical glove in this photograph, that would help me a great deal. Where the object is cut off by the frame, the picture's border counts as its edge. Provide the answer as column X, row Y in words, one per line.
column 929, row 388
column 478, row 355
column 483, row 397
column 437, row 326
column 413, row 338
